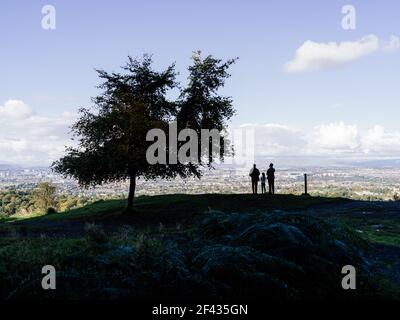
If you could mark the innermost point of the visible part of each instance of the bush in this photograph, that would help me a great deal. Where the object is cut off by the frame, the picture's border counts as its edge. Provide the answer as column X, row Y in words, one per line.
column 51, row 211
column 95, row 234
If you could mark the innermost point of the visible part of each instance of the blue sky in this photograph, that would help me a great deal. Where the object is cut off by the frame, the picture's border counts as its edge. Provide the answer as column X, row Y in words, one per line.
column 49, row 74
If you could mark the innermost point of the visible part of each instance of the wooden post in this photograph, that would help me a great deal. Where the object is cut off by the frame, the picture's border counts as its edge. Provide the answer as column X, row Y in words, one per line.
column 305, row 184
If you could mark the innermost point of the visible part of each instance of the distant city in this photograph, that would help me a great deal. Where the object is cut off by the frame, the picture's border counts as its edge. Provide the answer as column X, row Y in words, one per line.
column 373, row 182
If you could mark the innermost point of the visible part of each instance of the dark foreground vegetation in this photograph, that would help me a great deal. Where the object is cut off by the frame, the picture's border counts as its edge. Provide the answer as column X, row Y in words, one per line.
column 206, row 246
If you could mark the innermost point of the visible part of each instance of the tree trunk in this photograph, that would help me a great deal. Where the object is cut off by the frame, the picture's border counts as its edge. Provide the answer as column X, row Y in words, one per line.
column 131, row 196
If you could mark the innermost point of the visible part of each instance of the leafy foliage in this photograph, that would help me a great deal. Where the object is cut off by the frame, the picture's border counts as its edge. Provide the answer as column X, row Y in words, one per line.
column 13, row 201
column 44, row 196
column 30, row 203
column 112, row 140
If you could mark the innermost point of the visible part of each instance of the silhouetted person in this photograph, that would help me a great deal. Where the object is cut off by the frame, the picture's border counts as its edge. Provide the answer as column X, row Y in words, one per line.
column 263, row 180
column 271, row 179
column 255, row 177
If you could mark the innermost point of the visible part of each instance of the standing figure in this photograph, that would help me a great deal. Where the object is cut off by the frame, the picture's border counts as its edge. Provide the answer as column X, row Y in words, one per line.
column 263, row 180
column 271, row 178
column 255, row 177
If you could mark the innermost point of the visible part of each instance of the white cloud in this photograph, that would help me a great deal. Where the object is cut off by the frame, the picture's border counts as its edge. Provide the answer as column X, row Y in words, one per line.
column 335, row 136
column 30, row 139
column 12, row 145
column 378, row 141
column 15, row 109
column 313, row 56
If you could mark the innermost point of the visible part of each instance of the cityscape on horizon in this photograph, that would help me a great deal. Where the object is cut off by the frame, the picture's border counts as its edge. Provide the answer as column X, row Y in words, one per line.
column 356, row 182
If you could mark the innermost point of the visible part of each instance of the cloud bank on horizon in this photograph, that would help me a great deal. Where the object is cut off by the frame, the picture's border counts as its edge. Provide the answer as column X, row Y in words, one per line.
column 315, row 56
column 29, row 139
column 329, row 140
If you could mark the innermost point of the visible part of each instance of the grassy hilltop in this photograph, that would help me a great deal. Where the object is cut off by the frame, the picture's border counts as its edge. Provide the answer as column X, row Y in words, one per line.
column 219, row 246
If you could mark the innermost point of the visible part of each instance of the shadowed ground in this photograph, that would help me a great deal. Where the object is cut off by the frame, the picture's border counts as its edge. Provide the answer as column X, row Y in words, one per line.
column 292, row 247
column 167, row 209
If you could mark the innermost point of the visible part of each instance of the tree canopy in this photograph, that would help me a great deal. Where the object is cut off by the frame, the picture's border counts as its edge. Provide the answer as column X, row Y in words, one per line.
column 112, row 135
column 44, row 196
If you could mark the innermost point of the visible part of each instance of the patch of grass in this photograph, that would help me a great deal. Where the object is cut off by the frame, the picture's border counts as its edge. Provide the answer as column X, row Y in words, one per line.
column 21, row 259
column 38, row 251
column 390, row 239
column 184, row 205
column 99, row 208
column 381, row 230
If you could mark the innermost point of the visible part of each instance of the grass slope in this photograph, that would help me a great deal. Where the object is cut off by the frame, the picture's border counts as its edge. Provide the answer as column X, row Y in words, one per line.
column 171, row 236
column 181, row 205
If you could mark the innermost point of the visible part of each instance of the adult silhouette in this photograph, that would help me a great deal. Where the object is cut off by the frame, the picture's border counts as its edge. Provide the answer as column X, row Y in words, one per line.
column 271, row 179
column 255, row 177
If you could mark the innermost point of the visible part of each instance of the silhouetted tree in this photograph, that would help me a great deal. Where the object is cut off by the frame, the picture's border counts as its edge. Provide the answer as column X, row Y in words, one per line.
column 112, row 139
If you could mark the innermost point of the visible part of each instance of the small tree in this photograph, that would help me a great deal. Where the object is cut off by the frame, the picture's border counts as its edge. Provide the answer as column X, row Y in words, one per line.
column 44, row 196
column 112, row 140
